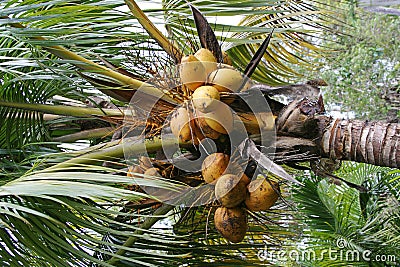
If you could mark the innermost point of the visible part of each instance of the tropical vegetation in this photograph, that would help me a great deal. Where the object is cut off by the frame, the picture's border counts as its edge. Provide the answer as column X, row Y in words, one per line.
column 69, row 137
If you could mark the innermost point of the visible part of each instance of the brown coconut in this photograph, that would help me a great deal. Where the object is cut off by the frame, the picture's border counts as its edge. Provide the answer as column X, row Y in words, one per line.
column 230, row 190
column 231, row 223
column 262, row 194
column 214, row 166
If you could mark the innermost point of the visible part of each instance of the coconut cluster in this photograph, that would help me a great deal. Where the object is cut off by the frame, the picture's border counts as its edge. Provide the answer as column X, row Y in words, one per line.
column 209, row 86
column 205, row 114
column 235, row 194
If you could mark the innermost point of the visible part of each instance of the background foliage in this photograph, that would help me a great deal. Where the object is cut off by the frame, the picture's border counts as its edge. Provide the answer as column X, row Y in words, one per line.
column 363, row 73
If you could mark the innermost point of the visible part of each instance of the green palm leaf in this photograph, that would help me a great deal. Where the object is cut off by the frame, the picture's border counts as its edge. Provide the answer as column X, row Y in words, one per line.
column 63, row 217
column 334, row 212
column 294, row 24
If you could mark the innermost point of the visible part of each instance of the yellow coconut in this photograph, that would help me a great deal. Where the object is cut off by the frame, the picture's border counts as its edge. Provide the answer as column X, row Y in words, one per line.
column 192, row 72
column 197, row 134
column 262, row 194
column 205, row 98
column 220, row 119
column 266, row 120
column 230, row 190
column 254, row 123
column 231, row 223
column 226, row 80
column 180, row 124
column 206, row 130
column 145, row 163
column 214, row 166
column 204, row 54
column 207, row 59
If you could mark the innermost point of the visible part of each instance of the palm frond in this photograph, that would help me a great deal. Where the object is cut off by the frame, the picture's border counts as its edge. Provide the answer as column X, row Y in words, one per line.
column 67, row 214
column 45, row 28
column 29, row 79
column 296, row 24
column 337, row 212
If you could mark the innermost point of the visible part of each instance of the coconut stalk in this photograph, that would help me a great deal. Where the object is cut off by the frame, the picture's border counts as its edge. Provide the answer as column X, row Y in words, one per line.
column 155, row 33
column 131, row 145
column 87, row 134
column 63, row 110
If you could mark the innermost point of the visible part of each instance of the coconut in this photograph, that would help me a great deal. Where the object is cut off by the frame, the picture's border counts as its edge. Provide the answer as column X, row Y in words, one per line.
column 230, row 190
column 207, row 59
column 180, row 124
column 145, row 163
column 205, row 98
column 152, row 172
column 192, row 72
column 266, row 121
column 214, row 166
column 198, row 135
column 220, row 119
column 262, row 194
column 226, row 79
column 231, row 223
column 205, row 129
column 184, row 126
column 204, row 54
column 254, row 123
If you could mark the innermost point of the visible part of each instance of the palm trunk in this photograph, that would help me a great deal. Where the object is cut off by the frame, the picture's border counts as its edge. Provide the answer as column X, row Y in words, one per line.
column 377, row 143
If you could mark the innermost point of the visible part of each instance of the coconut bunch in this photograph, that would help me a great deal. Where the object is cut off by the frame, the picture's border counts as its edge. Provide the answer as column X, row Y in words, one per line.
column 209, row 107
column 206, row 114
column 203, row 81
column 236, row 194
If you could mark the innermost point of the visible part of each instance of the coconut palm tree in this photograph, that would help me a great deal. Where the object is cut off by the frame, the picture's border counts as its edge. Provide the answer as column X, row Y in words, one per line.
column 69, row 70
